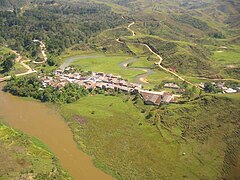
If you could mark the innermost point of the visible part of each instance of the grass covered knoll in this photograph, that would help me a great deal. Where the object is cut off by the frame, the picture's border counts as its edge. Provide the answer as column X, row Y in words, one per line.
column 106, row 41
column 191, row 140
column 186, row 58
column 211, row 125
column 22, row 157
column 228, row 60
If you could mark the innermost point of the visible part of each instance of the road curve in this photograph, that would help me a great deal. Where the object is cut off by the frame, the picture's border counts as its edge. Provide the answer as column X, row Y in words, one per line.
column 43, row 49
column 159, row 63
column 139, row 78
column 18, row 59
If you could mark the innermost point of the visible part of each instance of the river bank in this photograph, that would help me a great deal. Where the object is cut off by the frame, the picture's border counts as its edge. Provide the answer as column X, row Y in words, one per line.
column 24, row 157
column 38, row 120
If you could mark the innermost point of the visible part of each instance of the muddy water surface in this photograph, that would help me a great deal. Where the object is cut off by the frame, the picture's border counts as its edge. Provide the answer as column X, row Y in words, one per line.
column 38, row 120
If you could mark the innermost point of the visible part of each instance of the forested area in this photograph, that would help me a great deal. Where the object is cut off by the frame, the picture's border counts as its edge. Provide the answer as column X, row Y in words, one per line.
column 31, row 86
column 59, row 25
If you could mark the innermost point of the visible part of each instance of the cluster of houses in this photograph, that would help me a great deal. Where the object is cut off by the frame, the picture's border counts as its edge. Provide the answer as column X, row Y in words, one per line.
column 219, row 85
column 156, row 98
column 222, row 86
column 105, row 82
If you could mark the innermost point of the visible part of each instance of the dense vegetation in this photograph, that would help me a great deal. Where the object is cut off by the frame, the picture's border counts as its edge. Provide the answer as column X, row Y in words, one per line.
column 31, row 86
column 59, row 25
column 22, row 157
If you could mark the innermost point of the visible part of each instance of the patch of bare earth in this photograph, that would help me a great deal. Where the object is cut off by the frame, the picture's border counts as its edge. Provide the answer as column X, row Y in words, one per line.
column 80, row 119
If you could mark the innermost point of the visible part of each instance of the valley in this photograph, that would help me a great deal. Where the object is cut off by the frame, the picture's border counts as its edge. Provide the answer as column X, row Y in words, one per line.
column 121, row 89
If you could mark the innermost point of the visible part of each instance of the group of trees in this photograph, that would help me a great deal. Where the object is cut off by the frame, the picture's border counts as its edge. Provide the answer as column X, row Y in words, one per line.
column 31, row 86
column 59, row 26
column 210, row 88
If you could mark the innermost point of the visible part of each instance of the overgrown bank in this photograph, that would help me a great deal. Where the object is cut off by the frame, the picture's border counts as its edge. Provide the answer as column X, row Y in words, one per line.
column 22, row 157
column 190, row 140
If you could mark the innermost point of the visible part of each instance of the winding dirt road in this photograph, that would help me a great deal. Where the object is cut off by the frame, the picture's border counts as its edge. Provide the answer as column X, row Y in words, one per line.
column 22, row 62
column 159, row 63
column 129, row 28
column 43, row 49
column 158, row 56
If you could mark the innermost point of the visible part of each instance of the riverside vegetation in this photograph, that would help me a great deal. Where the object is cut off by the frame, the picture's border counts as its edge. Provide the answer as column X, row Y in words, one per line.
column 23, row 157
column 32, row 87
column 195, row 138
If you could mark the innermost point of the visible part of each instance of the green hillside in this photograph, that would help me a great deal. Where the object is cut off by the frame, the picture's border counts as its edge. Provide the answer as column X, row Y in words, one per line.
column 211, row 125
column 181, row 31
column 194, row 140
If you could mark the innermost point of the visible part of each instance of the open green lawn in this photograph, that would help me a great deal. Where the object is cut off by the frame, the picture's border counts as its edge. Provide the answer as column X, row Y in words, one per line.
column 160, row 76
column 108, row 64
column 143, row 62
column 69, row 53
column 126, row 145
column 22, row 157
column 229, row 56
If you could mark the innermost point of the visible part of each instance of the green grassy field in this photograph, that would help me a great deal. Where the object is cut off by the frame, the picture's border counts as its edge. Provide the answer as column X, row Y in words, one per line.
column 139, row 50
column 71, row 52
column 22, row 157
column 201, row 122
column 229, row 56
column 127, row 145
column 160, row 76
column 107, row 64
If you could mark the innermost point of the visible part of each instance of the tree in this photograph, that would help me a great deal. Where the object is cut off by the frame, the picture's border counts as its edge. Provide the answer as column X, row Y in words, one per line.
column 8, row 63
column 52, row 62
column 208, row 87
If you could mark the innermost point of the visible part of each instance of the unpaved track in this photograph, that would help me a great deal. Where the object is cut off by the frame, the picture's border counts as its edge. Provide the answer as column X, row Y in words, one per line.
column 159, row 63
column 22, row 62
column 43, row 50
column 158, row 56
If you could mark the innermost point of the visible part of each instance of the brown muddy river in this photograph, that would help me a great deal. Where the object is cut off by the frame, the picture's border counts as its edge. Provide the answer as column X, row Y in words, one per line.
column 38, row 120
